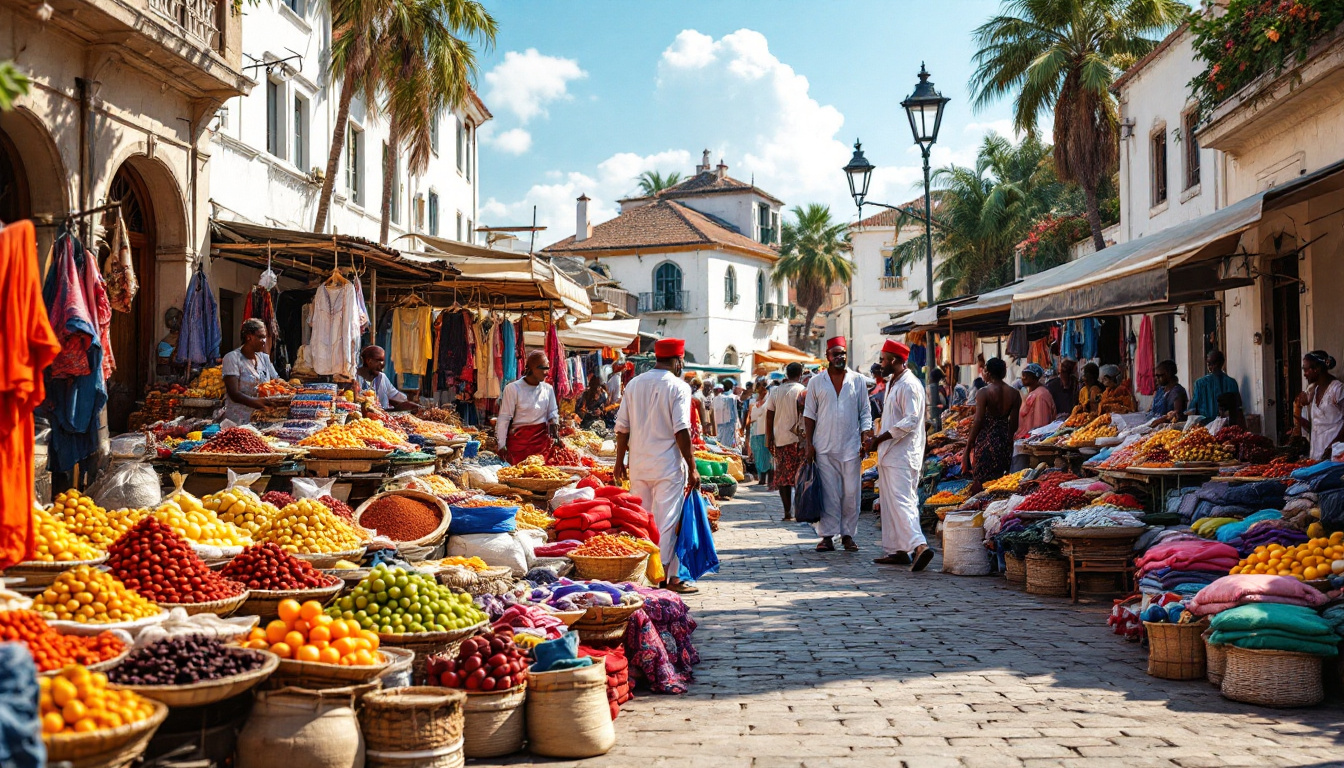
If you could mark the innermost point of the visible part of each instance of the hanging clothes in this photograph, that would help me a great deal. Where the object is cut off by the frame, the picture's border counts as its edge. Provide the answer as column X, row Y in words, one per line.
column 455, row 355
column 963, row 348
column 508, row 352
column 488, row 385
column 412, row 338
column 333, row 345
column 384, row 340
column 122, row 284
column 556, row 352
column 1040, row 353
column 289, row 319
column 1091, row 332
column 1144, row 380
column 33, row 347
column 1018, row 347
column 200, row 337
column 76, row 390
column 259, row 305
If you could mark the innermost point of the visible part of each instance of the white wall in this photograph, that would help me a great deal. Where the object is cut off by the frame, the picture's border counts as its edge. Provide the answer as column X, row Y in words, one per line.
column 874, row 300
column 738, row 209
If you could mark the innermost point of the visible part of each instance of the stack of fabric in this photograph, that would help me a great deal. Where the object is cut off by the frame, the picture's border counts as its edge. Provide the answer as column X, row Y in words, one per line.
column 1275, row 627
column 1268, row 532
column 658, row 641
column 1228, row 500
column 612, row 510
column 1249, row 588
column 1183, row 567
column 618, row 673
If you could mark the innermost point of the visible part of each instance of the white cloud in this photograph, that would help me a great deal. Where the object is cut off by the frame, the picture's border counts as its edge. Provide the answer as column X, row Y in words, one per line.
column 524, row 83
column 514, row 141
column 1002, row 127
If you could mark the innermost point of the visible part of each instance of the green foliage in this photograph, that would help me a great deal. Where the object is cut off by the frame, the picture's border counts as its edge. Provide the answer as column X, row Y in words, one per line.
column 1255, row 37
column 13, row 84
column 653, row 182
column 813, row 257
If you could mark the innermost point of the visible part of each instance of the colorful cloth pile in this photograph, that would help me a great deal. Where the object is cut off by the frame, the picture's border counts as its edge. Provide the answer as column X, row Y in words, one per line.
column 619, row 689
column 1247, row 588
column 612, row 511
column 658, row 641
column 1184, row 567
column 1276, row 627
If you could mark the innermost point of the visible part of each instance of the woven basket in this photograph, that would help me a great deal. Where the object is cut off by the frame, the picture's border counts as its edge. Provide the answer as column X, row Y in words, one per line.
column 266, row 602
column 220, row 608
column 1175, row 651
column 317, row 676
column 39, row 573
column 491, row 581
column 321, row 560
column 346, row 453
column 1215, row 660
column 612, row 569
column 604, row 623
column 112, row 747
column 1272, row 678
column 1047, row 575
column 211, row 691
column 1015, row 569
column 450, row 756
column 414, row 719
column 434, row 502
column 495, row 722
column 539, row 484
column 210, row 459
column 426, row 644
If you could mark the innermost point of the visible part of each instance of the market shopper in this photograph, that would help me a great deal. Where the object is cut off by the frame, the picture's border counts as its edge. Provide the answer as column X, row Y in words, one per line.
column 616, row 382
column 1213, row 385
column 529, row 415
column 838, row 425
column 370, row 376
column 1170, row 400
column 989, row 444
column 1089, row 391
column 653, row 430
column 900, row 455
column 593, row 402
column 1117, row 396
column 725, row 412
column 244, row 369
column 756, row 423
column 783, row 433
column 1038, row 408
column 700, row 396
column 1063, row 387
column 1322, row 403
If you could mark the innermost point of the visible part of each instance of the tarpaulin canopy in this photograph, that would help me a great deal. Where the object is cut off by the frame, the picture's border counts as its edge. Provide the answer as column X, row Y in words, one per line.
column 516, row 281
column 594, row 334
column 783, row 354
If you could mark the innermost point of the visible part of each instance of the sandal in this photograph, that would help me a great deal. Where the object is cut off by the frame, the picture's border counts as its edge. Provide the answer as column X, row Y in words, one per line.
column 682, row 588
column 849, row 544
column 826, row 545
column 922, row 559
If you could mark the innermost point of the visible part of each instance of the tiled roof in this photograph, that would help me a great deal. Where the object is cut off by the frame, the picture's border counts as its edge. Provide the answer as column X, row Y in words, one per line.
column 662, row 224
column 710, row 183
column 888, row 217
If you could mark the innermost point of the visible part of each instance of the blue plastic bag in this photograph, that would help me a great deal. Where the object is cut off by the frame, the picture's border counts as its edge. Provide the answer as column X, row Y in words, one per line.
column 469, row 520
column 807, row 499
column 695, row 542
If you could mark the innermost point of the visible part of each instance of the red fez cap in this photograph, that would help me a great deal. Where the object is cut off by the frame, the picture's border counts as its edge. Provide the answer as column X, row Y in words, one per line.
column 669, row 348
column 836, row 341
column 896, row 348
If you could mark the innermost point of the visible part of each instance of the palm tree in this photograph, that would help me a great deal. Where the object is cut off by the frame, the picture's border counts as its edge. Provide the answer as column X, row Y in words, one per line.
column 812, row 257
column 653, row 182
column 426, row 69
column 1064, row 55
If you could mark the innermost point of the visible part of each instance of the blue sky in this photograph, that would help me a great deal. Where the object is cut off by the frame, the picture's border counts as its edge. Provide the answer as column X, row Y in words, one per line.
column 586, row 95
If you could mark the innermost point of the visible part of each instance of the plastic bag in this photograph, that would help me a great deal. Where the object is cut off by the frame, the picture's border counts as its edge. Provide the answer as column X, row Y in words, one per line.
column 696, row 555
column 469, row 520
column 179, row 495
column 497, row 549
column 242, row 482
column 132, row 445
column 807, row 498
column 127, row 485
column 567, row 494
column 312, row 487
column 206, row 624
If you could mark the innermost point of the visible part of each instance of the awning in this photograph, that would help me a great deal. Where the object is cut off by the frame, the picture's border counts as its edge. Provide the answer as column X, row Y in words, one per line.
column 512, row 281
column 593, row 334
column 1138, row 273
column 294, row 252
column 783, row 354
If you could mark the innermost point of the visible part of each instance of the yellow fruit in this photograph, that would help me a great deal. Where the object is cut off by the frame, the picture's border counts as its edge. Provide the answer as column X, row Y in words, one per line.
column 56, row 543
column 193, row 522
column 309, row 527
column 86, row 704
column 106, row 600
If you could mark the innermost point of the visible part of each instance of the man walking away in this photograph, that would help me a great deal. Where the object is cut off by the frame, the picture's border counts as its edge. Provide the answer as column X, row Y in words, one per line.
column 839, row 426
column 900, row 451
column 725, row 415
column 653, row 427
column 783, row 426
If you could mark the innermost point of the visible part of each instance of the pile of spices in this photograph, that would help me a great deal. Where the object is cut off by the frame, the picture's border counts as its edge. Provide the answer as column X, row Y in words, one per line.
column 400, row 518
column 279, row 498
column 339, row 507
column 235, row 440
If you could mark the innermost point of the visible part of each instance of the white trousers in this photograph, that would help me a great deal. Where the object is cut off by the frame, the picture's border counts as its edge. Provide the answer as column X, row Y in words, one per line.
column 841, row 488
column 900, row 509
column 663, row 499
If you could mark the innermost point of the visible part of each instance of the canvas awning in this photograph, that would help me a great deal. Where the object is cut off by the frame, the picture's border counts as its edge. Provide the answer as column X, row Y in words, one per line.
column 511, row 280
column 783, row 354
column 594, row 334
column 294, row 252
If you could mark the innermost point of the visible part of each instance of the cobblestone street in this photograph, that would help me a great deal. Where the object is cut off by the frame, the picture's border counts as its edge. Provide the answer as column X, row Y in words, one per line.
column 827, row 659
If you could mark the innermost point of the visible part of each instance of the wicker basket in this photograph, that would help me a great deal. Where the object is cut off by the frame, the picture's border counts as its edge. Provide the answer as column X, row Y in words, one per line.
column 221, row 608
column 1272, row 678
column 426, row 644
column 318, row 676
column 491, row 581
column 434, row 502
column 322, row 560
column 39, row 573
column 346, row 453
column 612, row 569
column 266, row 602
column 1015, row 569
column 211, row 459
column 1047, row 575
column 112, row 747
column 1215, row 660
column 539, row 484
column 1175, row 651
column 495, row 722
column 604, row 623
column 425, row 720
column 211, row 691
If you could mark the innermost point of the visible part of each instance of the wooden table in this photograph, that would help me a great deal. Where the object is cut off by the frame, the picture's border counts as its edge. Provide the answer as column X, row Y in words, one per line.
column 1105, row 551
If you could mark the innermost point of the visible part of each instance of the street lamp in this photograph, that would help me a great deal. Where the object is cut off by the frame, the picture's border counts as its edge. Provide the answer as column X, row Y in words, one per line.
column 859, row 172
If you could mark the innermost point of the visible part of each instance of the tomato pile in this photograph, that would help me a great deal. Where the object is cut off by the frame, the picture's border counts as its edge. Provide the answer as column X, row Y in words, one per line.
column 489, row 662
column 52, row 650
column 152, row 560
column 1052, row 498
column 266, row 566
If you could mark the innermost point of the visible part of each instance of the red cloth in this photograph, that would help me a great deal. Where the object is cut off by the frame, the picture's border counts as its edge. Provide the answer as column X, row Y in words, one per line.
column 577, row 508
column 1144, row 380
column 590, row 481
column 583, row 522
column 528, row 440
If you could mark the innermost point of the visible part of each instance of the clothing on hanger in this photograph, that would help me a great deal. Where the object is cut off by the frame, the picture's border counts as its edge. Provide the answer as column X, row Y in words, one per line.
column 1144, row 380
column 122, row 284
column 333, row 343
column 200, row 336
column 412, row 337
column 508, row 352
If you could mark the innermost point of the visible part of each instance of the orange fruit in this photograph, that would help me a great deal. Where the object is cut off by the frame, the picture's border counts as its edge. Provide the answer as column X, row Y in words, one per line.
column 372, row 637
column 363, row 658
column 283, row 650
column 275, row 631
column 257, row 633
column 289, row 610
column 320, row 644
column 295, row 639
column 308, row 653
column 301, row 626
column 258, row 644
column 319, row 634
column 310, row 610
column 321, row 620
column 329, row 656
column 345, row 646
column 339, row 629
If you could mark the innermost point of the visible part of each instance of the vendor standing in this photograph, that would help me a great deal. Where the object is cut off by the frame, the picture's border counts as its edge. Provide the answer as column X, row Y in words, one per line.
column 369, row 375
column 529, row 415
column 244, row 369
column 1213, row 385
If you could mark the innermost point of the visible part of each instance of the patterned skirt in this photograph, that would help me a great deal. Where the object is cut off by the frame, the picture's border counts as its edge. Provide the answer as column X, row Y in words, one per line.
column 788, row 458
column 992, row 454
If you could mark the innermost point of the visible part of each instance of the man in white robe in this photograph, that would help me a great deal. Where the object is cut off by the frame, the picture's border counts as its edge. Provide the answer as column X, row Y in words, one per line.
column 839, row 424
column 900, row 454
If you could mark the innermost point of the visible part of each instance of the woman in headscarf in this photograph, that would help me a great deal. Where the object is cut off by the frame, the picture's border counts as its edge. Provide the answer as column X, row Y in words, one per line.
column 1038, row 407
column 756, row 423
column 1117, row 398
column 594, row 402
column 1322, row 403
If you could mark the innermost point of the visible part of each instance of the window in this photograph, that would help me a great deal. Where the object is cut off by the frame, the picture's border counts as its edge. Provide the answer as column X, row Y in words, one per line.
column 889, row 265
column 667, row 288
column 1159, row 166
column 471, row 232
column 730, row 287
column 354, row 164
column 459, row 226
column 1189, row 123
column 296, row 6
column 434, row 213
column 760, row 291
column 471, row 152
column 394, row 182
column 274, row 103
column 300, row 155
column 461, row 147
column 434, row 134
column 730, row 357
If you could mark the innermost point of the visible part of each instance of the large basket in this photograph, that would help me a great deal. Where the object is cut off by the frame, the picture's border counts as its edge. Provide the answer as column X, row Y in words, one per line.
column 40, row 573
column 612, row 569
column 539, row 484
column 211, row 691
column 1215, row 660
column 1047, row 575
column 1175, row 651
column 1272, row 678
column 210, row 459
column 491, row 581
column 426, row 644
column 322, row 560
column 347, row 453
column 316, row 675
column 221, row 608
column 413, row 719
column 495, row 722
column 604, row 623
column 1015, row 569
column 445, row 514
column 110, row 747
column 266, row 602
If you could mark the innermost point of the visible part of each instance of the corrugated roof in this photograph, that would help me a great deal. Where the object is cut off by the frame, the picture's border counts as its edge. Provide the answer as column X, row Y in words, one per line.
column 663, row 224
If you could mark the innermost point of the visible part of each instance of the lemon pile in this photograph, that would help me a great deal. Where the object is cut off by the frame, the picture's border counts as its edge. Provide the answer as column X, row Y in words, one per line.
column 1007, row 482
column 242, row 509
column 90, row 596
column 209, row 384
column 308, row 527
column 79, row 701
column 100, row 527
column 333, row 436
column 1098, row 427
column 530, row 517
column 190, row 519
column 532, row 468
column 56, row 543
column 1314, row 559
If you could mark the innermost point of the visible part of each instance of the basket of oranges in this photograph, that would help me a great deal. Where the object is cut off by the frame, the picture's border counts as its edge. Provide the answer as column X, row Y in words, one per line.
column 317, row 651
column 86, row 724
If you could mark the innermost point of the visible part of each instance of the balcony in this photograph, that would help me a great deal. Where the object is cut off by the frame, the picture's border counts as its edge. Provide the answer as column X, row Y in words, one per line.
column 664, row 301
column 618, row 298
column 891, row 283
column 773, row 313
column 196, row 18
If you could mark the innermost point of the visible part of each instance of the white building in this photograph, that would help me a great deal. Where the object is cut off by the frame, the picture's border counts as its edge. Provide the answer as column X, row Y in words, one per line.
column 698, row 256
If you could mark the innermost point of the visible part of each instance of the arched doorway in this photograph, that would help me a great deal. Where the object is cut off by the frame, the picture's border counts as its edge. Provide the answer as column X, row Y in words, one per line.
column 15, row 203
column 132, row 332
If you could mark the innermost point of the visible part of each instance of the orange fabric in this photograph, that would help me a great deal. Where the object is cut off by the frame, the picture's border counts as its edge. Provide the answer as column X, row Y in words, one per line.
column 32, row 347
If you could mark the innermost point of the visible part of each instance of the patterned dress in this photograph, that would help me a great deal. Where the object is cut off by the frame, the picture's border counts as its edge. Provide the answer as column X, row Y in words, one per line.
column 992, row 454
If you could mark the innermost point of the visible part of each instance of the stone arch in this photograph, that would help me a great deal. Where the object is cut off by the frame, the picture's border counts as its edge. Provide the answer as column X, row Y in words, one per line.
column 42, row 184
column 172, row 234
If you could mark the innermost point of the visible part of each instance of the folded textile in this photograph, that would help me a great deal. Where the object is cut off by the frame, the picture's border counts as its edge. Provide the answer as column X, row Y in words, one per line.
column 1231, row 531
column 1334, row 616
column 1278, row 640
column 1243, row 588
column 1294, row 619
column 1189, row 555
column 1306, row 473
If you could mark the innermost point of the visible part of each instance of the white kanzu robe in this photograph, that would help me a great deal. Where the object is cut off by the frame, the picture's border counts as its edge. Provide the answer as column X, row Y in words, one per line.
column 898, row 464
column 655, row 406
column 840, row 418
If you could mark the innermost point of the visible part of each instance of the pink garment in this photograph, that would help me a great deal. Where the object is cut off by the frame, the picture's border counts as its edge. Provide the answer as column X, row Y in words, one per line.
column 1238, row 589
column 556, row 352
column 1038, row 409
column 1189, row 556
column 1144, row 381
column 81, row 299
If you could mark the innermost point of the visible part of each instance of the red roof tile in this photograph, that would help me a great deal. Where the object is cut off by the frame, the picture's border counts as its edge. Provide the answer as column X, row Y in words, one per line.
column 709, row 183
column 888, row 217
column 661, row 224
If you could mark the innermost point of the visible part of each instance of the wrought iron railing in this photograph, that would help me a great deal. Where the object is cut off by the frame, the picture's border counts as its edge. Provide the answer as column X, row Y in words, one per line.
column 665, row 301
